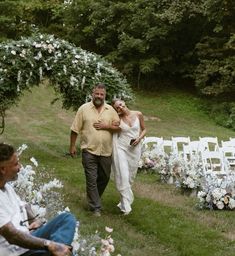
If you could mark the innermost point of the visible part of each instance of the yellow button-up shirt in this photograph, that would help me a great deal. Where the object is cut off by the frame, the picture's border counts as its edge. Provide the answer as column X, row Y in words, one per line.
column 97, row 142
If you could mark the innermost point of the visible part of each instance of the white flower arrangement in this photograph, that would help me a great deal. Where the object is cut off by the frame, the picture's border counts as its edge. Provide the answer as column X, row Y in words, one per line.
column 217, row 193
column 41, row 197
column 87, row 246
column 148, row 160
column 30, row 188
column 72, row 70
column 190, row 175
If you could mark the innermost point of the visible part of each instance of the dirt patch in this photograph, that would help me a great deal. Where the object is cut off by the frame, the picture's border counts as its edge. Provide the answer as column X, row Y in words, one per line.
column 156, row 192
column 65, row 117
column 152, row 118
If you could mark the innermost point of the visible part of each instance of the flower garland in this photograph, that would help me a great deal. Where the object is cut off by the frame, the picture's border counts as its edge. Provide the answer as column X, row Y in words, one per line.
column 71, row 70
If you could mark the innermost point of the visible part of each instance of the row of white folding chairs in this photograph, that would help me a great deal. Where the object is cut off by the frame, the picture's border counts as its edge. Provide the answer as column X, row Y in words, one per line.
column 219, row 161
column 205, row 148
column 178, row 145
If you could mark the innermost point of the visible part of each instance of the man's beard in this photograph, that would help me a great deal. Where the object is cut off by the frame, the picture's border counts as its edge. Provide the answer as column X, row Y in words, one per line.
column 98, row 102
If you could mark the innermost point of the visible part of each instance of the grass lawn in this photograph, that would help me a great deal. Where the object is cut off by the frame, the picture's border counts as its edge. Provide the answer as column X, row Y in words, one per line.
column 163, row 222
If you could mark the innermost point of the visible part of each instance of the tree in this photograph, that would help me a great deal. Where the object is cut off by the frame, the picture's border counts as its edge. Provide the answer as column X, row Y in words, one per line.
column 154, row 39
column 215, row 73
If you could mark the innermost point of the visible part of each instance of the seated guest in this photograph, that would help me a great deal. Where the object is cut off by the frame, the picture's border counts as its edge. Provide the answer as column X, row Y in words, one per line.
column 19, row 236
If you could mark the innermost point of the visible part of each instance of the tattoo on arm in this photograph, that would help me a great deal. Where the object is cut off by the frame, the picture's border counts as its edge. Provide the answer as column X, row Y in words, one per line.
column 20, row 238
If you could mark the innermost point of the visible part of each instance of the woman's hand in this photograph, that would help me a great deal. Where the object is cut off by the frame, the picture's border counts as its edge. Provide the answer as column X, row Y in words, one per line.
column 136, row 142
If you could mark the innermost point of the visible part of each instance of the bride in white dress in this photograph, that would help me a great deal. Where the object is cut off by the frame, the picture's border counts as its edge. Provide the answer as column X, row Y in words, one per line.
column 126, row 152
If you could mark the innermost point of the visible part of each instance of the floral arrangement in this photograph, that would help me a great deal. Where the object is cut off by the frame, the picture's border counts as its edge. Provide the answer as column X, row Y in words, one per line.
column 87, row 246
column 150, row 160
column 41, row 197
column 168, row 166
column 217, row 193
column 71, row 70
column 191, row 174
column 172, row 168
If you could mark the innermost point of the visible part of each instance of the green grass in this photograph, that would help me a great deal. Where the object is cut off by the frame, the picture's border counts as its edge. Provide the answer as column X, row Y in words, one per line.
column 179, row 113
column 163, row 222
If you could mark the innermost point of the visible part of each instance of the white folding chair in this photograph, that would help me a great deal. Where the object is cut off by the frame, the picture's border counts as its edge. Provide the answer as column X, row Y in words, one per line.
column 213, row 161
column 186, row 152
column 153, row 143
column 229, row 157
column 178, row 142
column 191, row 150
column 194, row 146
column 167, row 146
column 209, row 143
column 232, row 139
column 228, row 143
column 231, row 142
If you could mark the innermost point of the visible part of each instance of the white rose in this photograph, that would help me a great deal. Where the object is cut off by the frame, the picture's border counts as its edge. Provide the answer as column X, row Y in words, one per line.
column 220, row 205
column 231, row 203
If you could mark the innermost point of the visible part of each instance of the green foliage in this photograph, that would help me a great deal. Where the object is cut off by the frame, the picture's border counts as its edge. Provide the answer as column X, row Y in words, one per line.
column 21, row 17
column 223, row 114
column 215, row 73
column 146, row 40
column 71, row 70
column 11, row 23
column 145, row 37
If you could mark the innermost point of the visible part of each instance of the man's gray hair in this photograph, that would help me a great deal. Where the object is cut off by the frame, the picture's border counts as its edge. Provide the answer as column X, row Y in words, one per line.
column 99, row 86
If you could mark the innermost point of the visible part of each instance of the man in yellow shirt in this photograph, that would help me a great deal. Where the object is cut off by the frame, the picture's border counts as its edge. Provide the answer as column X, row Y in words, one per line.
column 95, row 122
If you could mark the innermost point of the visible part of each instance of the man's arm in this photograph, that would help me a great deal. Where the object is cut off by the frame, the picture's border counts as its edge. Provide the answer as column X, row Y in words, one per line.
column 33, row 220
column 26, row 240
column 73, row 138
column 113, row 127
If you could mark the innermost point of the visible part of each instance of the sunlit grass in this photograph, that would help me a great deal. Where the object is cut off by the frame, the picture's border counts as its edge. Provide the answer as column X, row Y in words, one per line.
column 163, row 222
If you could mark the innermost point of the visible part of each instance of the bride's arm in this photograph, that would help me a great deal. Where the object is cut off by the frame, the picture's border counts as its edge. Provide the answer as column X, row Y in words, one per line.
column 142, row 128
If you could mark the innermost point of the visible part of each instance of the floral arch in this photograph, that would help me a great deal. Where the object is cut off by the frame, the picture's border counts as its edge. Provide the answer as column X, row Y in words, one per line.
column 71, row 70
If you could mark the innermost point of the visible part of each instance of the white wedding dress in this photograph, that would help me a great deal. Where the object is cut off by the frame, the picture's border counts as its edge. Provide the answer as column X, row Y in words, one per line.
column 125, row 162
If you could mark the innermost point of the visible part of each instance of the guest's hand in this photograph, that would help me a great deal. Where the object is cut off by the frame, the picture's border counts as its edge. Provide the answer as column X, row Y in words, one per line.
column 35, row 225
column 58, row 249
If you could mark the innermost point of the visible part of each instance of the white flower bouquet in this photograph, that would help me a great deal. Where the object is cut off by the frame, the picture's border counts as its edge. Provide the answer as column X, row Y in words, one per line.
column 151, row 161
column 217, row 193
column 190, row 176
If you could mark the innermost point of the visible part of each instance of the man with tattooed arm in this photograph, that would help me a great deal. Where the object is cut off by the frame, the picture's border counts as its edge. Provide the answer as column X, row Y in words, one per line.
column 21, row 234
